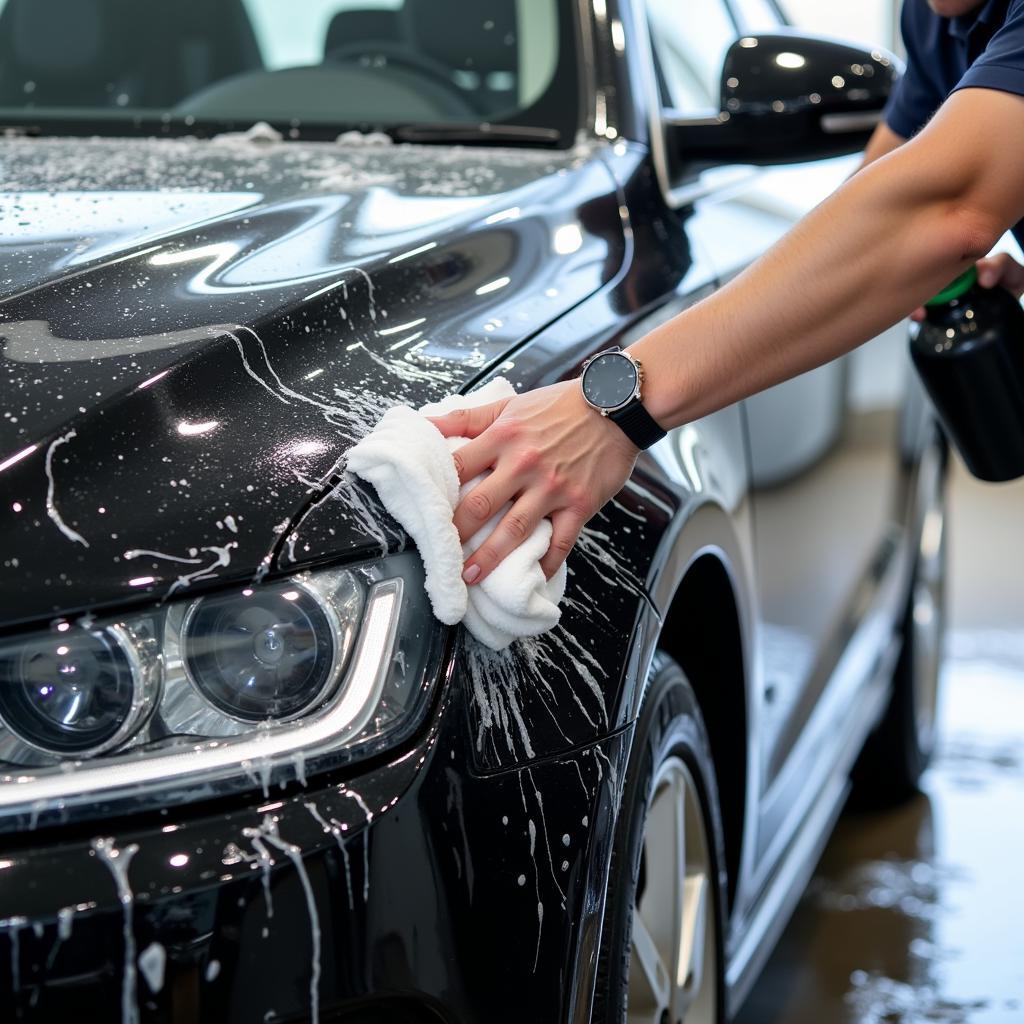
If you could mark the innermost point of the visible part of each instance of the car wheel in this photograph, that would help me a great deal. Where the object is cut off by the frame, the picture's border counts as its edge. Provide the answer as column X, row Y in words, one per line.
column 661, row 959
column 897, row 753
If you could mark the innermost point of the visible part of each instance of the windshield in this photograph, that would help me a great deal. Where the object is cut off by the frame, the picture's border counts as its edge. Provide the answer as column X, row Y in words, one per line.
column 310, row 68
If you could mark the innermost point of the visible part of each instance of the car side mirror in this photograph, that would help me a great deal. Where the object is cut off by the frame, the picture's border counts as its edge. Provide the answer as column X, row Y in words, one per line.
column 786, row 98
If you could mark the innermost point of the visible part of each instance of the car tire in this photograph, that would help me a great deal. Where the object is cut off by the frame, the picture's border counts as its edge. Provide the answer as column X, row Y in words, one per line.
column 899, row 750
column 668, row 790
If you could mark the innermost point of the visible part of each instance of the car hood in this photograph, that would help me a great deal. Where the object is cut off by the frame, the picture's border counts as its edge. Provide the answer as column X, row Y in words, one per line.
column 192, row 335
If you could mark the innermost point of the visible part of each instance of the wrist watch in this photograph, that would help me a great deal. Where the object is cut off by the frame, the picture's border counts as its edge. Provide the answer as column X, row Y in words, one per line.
column 612, row 382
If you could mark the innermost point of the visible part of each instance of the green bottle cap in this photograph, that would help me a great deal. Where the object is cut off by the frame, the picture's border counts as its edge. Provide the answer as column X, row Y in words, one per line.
column 956, row 289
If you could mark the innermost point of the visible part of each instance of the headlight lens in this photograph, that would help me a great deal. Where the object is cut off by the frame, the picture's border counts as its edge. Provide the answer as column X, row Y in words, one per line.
column 265, row 654
column 267, row 658
column 78, row 694
column 234, row 688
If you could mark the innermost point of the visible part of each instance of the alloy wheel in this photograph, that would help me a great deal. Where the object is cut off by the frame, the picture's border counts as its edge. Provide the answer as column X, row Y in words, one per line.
column 673, row 955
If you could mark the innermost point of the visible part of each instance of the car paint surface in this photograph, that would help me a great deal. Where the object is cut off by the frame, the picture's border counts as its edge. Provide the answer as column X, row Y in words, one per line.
column 402, row 860
column 285, row 502
column 234, row 319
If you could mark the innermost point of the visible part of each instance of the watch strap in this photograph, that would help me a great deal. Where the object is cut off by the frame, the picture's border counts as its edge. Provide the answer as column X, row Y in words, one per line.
column 638, row 424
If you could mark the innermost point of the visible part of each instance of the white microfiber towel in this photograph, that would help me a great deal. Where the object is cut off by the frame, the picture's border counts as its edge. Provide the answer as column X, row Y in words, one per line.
column 410, row 466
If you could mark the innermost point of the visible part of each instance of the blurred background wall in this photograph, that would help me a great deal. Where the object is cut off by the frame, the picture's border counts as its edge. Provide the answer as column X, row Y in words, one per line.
column 870, row 21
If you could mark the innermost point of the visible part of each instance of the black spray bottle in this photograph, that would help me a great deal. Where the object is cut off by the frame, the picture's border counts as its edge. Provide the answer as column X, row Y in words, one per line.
column 970, row 355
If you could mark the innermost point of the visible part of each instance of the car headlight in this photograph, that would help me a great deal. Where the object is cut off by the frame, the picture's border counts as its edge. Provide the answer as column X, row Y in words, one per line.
column 232, row 688
column 76, row 695
column 267, row 654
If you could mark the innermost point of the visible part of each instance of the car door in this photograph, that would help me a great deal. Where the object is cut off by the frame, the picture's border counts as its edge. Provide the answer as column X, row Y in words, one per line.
column 824, row 472
column 822, row 447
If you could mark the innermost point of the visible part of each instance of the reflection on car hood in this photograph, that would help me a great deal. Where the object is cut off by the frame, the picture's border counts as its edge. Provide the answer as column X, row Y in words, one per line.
column 193, row 334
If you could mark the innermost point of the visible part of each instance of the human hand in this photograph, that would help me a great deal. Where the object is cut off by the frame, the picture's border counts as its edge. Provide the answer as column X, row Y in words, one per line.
column 1001, row 269
column 552, row 455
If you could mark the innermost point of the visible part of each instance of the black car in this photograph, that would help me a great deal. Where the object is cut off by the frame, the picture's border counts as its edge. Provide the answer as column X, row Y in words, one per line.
column 245, row 775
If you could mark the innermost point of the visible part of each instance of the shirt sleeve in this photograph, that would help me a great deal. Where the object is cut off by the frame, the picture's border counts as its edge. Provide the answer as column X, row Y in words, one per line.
column 1001, row 65
column 916, row 96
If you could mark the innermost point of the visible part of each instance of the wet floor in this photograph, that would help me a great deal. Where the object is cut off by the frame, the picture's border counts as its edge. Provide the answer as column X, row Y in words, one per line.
column 916, row 915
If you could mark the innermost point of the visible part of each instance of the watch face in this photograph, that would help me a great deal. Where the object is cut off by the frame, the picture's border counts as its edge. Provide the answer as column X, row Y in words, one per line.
column 610, row 380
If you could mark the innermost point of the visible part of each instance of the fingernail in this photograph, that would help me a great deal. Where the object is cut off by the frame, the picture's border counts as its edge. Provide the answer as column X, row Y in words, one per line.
column 471, row 573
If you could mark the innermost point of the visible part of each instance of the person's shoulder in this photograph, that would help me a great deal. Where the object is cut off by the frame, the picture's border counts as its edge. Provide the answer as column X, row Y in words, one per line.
column 1012, row 27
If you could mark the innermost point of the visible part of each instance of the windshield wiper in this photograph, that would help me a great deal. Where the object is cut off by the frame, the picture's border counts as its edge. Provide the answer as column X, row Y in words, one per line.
column 497, row 134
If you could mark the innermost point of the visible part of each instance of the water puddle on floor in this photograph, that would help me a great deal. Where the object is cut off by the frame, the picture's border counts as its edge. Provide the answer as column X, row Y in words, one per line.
column 915, row 914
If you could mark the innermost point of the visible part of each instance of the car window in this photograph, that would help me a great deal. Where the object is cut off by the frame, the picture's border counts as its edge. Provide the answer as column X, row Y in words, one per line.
column 330, row 26
column 690, row 39
column 349, row 63
column 289, row 41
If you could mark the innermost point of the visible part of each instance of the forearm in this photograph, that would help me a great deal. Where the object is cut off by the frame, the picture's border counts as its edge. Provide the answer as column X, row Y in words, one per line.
column 891, row 237
column 896, row 233
column 882, row 142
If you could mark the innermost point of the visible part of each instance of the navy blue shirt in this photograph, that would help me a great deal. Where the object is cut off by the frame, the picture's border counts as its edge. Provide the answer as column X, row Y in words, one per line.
column 983, row 49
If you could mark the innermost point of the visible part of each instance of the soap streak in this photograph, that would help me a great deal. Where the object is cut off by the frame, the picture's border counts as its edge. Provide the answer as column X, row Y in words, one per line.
column 269, row 832
column 334, row 828
column 594, row 546
column 544, row 827
column 579, row 772
column 531, row 829
column 498, row 679
column 51, row 505
column 221, row 559
column 353, row 795
column 14, row 926
column 118, row 862
column 65, row 920
column 256, row 837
